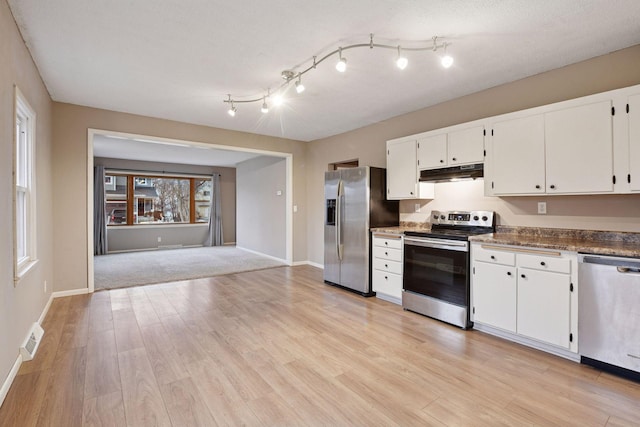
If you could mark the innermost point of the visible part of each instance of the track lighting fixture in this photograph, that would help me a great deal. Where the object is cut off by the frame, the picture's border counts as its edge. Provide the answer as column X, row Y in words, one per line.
column 402, row 61
column 289, row 75
column 341, row 66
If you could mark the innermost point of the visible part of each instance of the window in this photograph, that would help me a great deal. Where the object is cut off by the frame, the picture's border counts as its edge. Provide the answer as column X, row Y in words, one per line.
column 24, row 180
column 136, row 198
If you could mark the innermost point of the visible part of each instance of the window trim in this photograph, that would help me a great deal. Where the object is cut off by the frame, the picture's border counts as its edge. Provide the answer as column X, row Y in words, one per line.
column 24, row 112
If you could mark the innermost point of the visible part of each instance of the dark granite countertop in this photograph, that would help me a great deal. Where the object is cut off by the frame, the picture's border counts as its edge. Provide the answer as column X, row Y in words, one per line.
column 586, row 241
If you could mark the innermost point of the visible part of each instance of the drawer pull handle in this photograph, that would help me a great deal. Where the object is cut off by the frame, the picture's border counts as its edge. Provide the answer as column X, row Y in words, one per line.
column 523, row 276
column 542, row 263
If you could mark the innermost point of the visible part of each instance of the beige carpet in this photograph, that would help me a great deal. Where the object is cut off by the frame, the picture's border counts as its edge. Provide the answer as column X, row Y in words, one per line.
column 170, row 265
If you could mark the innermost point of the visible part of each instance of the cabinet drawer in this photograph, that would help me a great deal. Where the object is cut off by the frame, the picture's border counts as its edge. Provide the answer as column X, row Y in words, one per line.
column 387, row 283
column 545, row 263
column 388, row 266
column 387, row 253
column 394, row 243
column 494, row 256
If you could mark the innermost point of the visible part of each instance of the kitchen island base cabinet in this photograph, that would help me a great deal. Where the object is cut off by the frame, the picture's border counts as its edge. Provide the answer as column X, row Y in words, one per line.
column 387, row 267
column 526, row 294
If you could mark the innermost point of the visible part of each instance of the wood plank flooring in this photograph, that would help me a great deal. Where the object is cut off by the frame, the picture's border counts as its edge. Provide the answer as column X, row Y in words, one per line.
column 279, row 347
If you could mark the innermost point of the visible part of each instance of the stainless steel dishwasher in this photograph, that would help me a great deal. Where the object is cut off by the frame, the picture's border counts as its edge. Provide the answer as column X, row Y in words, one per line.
column 609, row 313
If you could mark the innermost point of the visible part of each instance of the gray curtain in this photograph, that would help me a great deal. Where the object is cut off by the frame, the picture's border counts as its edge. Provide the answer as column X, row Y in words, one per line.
column 99, row 213
column 214, row 235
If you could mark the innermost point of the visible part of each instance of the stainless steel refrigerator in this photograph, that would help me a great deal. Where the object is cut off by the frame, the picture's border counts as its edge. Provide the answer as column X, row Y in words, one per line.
column 355, row 201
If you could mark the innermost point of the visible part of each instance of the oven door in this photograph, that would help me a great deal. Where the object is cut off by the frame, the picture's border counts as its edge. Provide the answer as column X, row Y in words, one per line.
column 437, row 268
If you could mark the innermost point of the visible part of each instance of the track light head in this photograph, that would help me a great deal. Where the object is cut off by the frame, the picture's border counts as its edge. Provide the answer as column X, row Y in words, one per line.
column 265, row 107
column 402, row 61
column 278, row 100
column 446, row 60
column 341, row 66
column 232, row 111
column 299, row 86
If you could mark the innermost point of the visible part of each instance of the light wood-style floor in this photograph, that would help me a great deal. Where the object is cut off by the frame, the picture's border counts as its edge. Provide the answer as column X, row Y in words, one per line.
column 279, row 347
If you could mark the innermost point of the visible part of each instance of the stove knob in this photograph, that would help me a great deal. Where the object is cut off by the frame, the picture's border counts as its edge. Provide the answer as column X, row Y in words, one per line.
column 435, row 217
column 484, row 218
column 442, row 217
column 475, row 218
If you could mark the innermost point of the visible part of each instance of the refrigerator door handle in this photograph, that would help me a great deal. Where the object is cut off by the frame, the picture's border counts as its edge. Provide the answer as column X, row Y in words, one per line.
column 339, row 245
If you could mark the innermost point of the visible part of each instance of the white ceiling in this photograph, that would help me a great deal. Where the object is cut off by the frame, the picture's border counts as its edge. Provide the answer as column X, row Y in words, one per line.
column 163, row 151
column 179, row 59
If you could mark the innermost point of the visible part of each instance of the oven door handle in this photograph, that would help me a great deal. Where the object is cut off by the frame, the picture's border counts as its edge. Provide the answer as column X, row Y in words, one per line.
column 437, row 244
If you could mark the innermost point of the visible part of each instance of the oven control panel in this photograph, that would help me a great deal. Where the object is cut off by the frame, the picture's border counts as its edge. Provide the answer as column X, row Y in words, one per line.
column 467, row 218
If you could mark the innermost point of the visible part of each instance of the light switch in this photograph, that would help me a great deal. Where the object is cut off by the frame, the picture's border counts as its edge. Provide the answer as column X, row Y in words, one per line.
column 295, row 208
column 417, row 207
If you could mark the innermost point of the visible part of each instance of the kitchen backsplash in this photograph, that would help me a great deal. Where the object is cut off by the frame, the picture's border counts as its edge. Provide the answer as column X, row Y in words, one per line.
column 589, row 212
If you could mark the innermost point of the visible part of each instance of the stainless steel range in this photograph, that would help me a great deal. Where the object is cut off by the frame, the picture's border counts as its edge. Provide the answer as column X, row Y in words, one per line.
column 436, row 265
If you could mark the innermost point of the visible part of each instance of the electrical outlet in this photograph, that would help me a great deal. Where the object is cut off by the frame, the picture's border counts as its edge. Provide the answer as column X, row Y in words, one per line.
column 417, row 207
column 159, row 239
column 542, row 208
column 295, row 208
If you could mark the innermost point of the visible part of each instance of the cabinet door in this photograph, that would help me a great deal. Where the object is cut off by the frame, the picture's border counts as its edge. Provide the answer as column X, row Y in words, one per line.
column 634, row 141
column 432, row 152
column 518, row 156
column 579, row 149
column 402, row 170
column 544, row 306
column 494, row 295
column 466, row 146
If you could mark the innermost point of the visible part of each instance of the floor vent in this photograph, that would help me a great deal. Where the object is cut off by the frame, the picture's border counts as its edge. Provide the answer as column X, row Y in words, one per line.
column 28, row 350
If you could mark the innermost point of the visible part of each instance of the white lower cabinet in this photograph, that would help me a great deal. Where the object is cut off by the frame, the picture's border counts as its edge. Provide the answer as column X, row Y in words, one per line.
column 386, row 267
column 527, row 293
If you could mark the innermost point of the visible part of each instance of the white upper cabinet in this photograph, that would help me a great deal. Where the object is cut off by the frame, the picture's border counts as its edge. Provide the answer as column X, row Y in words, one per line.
column 518, row 156
column 456, row 147
column 466, row 146
column 579, row 149
column 634, row 142
column 402, row 172
column 432, row 152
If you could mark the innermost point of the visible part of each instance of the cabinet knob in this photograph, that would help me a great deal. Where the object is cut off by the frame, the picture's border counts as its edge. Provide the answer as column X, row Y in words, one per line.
column 387, row 253
column 493, row 257
column 552, row 187
column 454, row 159
column 411, row 193
column 537, row 187
column 386, row 243
column 386, row 266
column 441, row 161
column 386, row 278
column 542, row 263
column 523, row 276
column 508, row 273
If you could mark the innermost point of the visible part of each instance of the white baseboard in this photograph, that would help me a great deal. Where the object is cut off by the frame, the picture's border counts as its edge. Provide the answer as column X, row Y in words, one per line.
column 311, row 263
column 69, row 293
column 4, row 390
column 389, row 298
column 16, row 366
column 264, row 255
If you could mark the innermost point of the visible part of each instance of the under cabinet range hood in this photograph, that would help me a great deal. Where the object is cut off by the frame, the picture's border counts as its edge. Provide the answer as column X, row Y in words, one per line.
column 453, row 173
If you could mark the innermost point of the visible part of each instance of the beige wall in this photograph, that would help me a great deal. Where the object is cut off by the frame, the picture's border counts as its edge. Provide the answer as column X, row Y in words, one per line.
column 612, row 71
column 262, row 222
column 70, row 176
column 123, row 238
column 21, row 305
